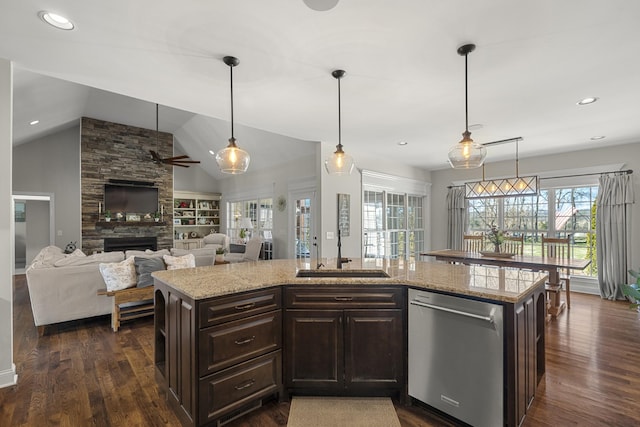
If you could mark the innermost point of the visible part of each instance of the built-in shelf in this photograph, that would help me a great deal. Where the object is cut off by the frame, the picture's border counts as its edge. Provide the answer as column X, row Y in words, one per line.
column 114, row 224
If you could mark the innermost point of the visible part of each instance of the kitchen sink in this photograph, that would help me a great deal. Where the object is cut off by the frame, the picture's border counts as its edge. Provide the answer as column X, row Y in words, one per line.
column 366, row 273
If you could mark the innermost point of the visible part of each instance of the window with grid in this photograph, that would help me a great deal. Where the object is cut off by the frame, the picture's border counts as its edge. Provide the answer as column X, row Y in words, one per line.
column 259, row 211
column 372, row 224
column 393, row 225
column 558, row 212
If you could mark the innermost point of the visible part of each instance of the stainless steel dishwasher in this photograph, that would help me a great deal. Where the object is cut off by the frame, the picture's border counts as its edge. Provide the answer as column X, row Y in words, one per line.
column 456, row 356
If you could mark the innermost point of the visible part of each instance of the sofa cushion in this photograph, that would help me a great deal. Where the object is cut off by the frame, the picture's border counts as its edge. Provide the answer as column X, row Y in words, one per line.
column 177, row 262
column 147, row 253
column 119, row 275
column 47, row 257
column 144, row 268
column 90, row 259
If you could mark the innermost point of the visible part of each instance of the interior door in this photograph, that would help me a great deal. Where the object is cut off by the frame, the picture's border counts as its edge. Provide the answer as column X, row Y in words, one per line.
column 303, row 225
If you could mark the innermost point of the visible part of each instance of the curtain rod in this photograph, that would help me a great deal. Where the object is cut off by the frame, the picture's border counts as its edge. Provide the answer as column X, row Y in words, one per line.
column 628, row 172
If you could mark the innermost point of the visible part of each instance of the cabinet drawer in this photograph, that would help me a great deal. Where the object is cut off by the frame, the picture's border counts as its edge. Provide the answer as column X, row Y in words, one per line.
column 344, row 297
column 233, row 388
column 230, row 343
column 234, row 307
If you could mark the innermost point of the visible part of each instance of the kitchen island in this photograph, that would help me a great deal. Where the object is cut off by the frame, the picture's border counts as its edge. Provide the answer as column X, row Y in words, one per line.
column 229, row 336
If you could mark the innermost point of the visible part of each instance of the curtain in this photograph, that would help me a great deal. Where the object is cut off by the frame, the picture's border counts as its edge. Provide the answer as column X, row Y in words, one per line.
column 613, row 236
column 456, row 217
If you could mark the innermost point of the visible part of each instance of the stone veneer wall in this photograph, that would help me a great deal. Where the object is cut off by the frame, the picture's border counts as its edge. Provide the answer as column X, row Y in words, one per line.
column 115, row 151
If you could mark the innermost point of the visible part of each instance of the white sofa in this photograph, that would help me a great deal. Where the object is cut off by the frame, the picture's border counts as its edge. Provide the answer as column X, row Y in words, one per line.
column 64, row 287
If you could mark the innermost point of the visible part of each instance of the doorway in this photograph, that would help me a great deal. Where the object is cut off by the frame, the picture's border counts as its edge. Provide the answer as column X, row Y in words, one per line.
column 33, row 225
column 303, row 224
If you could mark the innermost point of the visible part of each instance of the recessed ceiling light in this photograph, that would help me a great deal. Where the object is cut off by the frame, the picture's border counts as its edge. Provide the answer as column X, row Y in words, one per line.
column 56, row 20
column 587, row 101
column 595, row 138
column 212, row 152
column 34, row 122
column 402, row 143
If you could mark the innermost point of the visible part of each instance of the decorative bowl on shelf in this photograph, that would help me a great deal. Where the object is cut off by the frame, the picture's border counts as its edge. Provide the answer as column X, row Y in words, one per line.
column 497, row 254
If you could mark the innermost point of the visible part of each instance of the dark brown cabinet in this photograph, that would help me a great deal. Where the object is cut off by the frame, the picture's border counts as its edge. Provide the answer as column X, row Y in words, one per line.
column 525, row 350
column 344, row 340
column 218, row 356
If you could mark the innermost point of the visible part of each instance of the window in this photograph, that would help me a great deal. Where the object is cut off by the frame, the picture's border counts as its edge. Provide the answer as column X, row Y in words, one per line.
column 558, row 212
column 393, row 225
column 259, row 211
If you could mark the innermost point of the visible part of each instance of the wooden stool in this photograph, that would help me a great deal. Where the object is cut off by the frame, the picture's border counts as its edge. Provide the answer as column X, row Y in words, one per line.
column 129, row 295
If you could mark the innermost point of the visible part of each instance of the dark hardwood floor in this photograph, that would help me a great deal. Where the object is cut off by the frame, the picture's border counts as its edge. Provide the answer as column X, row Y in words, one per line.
column 83, row 374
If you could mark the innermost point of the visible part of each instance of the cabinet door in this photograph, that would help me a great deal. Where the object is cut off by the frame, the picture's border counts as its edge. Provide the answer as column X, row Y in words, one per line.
column 374, row 349
column 314, row 349
column 526, row 367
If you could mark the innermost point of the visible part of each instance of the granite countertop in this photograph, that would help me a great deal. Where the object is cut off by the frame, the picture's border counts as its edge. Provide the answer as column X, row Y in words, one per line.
column 499, row 284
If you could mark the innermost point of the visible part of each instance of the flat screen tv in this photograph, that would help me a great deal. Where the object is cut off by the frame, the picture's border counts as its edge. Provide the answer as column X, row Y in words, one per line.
column 130, row 199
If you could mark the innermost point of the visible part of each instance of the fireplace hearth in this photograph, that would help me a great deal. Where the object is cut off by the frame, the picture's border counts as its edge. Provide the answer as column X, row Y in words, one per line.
column 130, row 243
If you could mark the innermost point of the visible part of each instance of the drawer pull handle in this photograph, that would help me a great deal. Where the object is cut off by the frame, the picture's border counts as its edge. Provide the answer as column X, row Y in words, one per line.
column 246, row 306
column 343, row 298
column 245, row 340
column 245, row 385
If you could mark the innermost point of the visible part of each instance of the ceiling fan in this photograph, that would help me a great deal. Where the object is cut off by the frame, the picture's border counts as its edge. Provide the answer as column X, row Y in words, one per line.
column 182, row 161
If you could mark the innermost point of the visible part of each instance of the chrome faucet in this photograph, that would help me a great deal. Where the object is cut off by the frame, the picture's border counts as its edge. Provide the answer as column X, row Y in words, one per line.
column 315, row 243
column 339, row 265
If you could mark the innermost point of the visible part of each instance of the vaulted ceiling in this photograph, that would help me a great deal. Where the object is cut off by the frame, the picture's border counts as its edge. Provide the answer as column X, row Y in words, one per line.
column 405, row 82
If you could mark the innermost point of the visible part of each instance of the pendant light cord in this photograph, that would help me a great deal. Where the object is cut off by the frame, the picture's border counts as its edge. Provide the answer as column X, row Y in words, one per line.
column 339, row 116
column 231, row 71
column 157, row 131
column 466, row 96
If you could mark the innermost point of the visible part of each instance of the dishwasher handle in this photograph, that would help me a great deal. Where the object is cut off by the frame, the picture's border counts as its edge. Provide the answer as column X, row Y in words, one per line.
column 451, row 310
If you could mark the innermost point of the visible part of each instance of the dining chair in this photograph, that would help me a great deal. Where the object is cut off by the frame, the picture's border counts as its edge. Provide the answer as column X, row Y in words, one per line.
column 559, row 247
column 472, row 243
column 513, row 244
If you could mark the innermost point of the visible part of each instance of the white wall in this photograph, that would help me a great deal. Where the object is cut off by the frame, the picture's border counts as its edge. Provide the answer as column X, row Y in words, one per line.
column 37, row 232
column 628, row 154
column 7, row 368
column 193, row 178
column 51, row 165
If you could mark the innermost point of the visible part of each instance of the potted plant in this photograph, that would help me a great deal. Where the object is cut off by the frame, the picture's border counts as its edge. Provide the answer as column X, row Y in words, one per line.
column 220, row 255
column 156, row 216
column 496, row 237
column 107, row 216
column 633, row 290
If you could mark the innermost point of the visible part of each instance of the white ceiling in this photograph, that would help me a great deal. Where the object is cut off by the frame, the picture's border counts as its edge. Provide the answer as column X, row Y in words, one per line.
column 405, row 82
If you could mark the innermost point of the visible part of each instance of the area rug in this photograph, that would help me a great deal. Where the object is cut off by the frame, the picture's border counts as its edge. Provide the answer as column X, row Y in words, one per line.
column 342, row 412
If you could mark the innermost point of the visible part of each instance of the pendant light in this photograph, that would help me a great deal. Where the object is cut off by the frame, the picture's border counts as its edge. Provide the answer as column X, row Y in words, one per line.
column 503, row 187
column 339, row 163
column 232, row 159
column 466, row 154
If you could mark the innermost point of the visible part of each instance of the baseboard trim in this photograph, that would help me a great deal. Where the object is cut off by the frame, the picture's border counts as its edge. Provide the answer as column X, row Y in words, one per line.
column 8, row 377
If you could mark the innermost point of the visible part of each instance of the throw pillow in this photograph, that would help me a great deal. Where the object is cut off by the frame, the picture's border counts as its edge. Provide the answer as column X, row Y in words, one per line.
column 144, row 268
column 177, row 262
column 119, row 275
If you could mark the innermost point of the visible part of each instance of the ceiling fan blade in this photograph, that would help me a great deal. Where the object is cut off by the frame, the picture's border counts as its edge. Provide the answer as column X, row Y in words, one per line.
column 182, row 161
column 155, row 156
column 177, row 157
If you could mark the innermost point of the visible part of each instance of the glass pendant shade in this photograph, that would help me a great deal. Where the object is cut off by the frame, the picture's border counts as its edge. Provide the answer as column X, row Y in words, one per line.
column 233, row 159
column 339, row 163
column 467, row 154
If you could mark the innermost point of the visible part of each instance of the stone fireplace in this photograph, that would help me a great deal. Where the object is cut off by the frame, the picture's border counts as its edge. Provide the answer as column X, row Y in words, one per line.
column 111, row 151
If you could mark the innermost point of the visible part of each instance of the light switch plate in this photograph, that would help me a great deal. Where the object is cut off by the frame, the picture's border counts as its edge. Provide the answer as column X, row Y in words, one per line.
column 329, row 235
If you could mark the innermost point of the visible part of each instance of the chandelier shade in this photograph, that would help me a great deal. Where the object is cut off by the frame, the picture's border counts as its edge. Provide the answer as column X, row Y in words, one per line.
column 466, row 154
column 232, row 159
column 502, row 187
column 339, row 163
